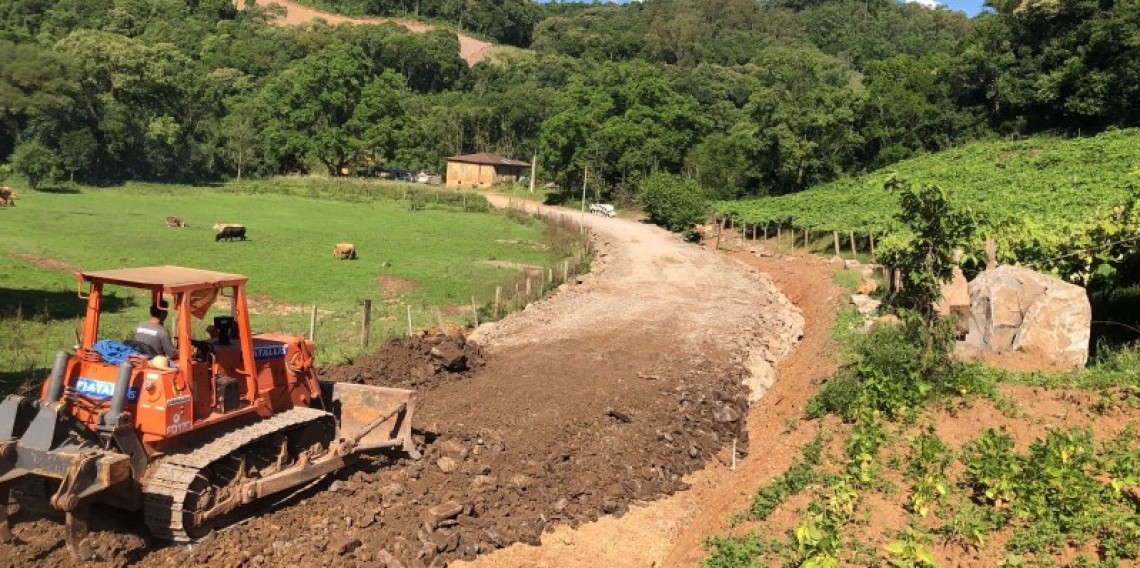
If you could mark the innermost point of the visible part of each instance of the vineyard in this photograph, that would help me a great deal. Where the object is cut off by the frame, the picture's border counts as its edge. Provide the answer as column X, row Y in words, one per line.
column 1056, row 204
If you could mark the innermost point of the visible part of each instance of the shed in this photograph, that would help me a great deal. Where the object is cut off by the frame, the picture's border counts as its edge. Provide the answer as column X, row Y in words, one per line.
column 483, row 170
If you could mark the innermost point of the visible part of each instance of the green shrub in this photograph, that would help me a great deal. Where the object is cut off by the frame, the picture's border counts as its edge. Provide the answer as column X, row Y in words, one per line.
column 674, row 202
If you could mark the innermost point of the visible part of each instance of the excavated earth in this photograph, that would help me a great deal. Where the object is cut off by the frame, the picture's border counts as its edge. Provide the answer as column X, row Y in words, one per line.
column 603, row 395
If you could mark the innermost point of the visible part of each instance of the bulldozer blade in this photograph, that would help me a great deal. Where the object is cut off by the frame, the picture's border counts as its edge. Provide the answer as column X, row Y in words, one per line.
column 375, row 417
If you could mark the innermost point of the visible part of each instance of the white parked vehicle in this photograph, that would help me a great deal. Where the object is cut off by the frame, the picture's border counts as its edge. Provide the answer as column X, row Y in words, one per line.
column 603, row 209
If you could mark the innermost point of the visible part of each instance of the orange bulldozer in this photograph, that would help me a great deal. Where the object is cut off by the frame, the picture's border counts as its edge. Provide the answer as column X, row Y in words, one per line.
column 236, row 418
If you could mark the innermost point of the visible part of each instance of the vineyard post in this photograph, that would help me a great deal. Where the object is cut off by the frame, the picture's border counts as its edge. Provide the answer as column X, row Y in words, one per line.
column 743, row 236
column 780, row 232
column 835, row 236
column 765, row 231
column 807, row 237
column 753, row 232
column 853, row 255
column 872, row 241
column 719, row 228
column 499, row 298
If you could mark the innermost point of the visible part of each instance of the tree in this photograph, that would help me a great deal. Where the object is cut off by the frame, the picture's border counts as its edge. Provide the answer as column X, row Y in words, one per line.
column 76, row 149
column 35, row 162
column 34, row 83
column 674, row 202
column 309, row 104
column 623, row 120
column 926, row 261
column 805, row 117
column 378, row 120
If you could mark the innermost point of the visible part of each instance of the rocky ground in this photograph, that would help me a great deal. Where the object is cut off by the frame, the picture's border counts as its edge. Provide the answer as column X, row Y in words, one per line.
column 604, row 395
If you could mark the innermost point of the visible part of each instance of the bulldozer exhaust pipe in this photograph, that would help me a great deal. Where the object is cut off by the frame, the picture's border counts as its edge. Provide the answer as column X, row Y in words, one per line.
column 119, row 399
column 55, row 382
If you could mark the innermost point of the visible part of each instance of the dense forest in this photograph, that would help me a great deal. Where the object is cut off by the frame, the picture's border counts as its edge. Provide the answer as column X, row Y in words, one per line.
column 744, row 97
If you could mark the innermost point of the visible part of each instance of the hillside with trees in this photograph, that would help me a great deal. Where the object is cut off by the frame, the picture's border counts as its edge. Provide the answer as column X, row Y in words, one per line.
column 746, row 98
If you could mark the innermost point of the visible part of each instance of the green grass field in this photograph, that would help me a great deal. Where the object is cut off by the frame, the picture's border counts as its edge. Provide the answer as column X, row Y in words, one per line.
column 434, row 258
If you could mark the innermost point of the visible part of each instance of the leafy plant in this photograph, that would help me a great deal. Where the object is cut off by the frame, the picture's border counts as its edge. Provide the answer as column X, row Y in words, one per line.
column 992, row 468
column 674, row 202
column 908, row 553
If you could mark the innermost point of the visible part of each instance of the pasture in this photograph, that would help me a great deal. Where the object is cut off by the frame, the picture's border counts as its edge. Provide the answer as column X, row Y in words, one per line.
column 433, row 256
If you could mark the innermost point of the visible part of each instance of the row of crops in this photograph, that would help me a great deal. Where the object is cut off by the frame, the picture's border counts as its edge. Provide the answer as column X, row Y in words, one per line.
column 1065, row 205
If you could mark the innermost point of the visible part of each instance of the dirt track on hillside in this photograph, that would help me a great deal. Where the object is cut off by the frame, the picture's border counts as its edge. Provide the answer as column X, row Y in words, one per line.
column 471, row 50
column 605, row 395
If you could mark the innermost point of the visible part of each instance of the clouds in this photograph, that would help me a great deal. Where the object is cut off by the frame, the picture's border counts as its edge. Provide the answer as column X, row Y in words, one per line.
column 927, row 3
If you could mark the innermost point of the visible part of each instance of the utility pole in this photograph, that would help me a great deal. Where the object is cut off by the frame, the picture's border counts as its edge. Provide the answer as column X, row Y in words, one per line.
column 585, row 176
column 533, row 169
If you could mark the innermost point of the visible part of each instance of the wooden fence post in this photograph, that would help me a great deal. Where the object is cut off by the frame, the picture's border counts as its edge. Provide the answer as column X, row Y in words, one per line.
column 366, row 325
column 313, row 323
column 498, row 299
column 853, row 254
column 871, row 239
column 565, row 269
column 528, row 288
column 807, row 238
column 835, row 236
column 409, row 320
column 474, row 311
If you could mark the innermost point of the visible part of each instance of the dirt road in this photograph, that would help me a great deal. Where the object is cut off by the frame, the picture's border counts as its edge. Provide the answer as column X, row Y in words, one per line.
column 669, row 532
column 605, row 395
column 471, row 50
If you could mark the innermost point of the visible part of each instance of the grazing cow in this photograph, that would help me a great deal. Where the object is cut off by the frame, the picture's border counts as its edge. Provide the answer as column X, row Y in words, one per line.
column 7, row 197
column 230, row 232
column 344, row 251
column 173, row 221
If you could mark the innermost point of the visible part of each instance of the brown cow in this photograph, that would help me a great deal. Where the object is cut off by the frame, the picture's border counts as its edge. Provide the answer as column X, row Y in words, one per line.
column 8, row 197
column 344, row 251
column 173, row 221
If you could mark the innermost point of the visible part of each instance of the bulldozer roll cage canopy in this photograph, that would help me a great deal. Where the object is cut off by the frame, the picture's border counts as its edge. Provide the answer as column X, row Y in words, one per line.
column 170, row 279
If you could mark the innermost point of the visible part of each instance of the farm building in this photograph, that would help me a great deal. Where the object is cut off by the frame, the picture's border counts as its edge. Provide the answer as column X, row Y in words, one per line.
column 483, row 170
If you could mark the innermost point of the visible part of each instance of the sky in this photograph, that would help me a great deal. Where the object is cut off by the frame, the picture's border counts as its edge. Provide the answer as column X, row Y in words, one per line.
column 970, row 7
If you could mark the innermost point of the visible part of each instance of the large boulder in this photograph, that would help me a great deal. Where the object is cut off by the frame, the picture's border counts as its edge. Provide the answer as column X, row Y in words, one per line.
column 955, row 302
column 1016, row 309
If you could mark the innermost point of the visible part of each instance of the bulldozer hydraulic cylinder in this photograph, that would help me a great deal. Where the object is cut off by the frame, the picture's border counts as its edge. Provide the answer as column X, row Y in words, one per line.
column 55, row 382
column 122, row 385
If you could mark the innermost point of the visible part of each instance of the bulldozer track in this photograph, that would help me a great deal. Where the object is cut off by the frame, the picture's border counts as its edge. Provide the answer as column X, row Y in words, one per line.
column 166, row 489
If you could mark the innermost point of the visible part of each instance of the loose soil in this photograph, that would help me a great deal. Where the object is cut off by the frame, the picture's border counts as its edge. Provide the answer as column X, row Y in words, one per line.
column 471, row 50
column 605, row 395
column 393, row 287
column 46, row 263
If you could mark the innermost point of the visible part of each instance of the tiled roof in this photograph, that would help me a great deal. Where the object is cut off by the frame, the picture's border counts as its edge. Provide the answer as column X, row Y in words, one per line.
column 486, row 158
